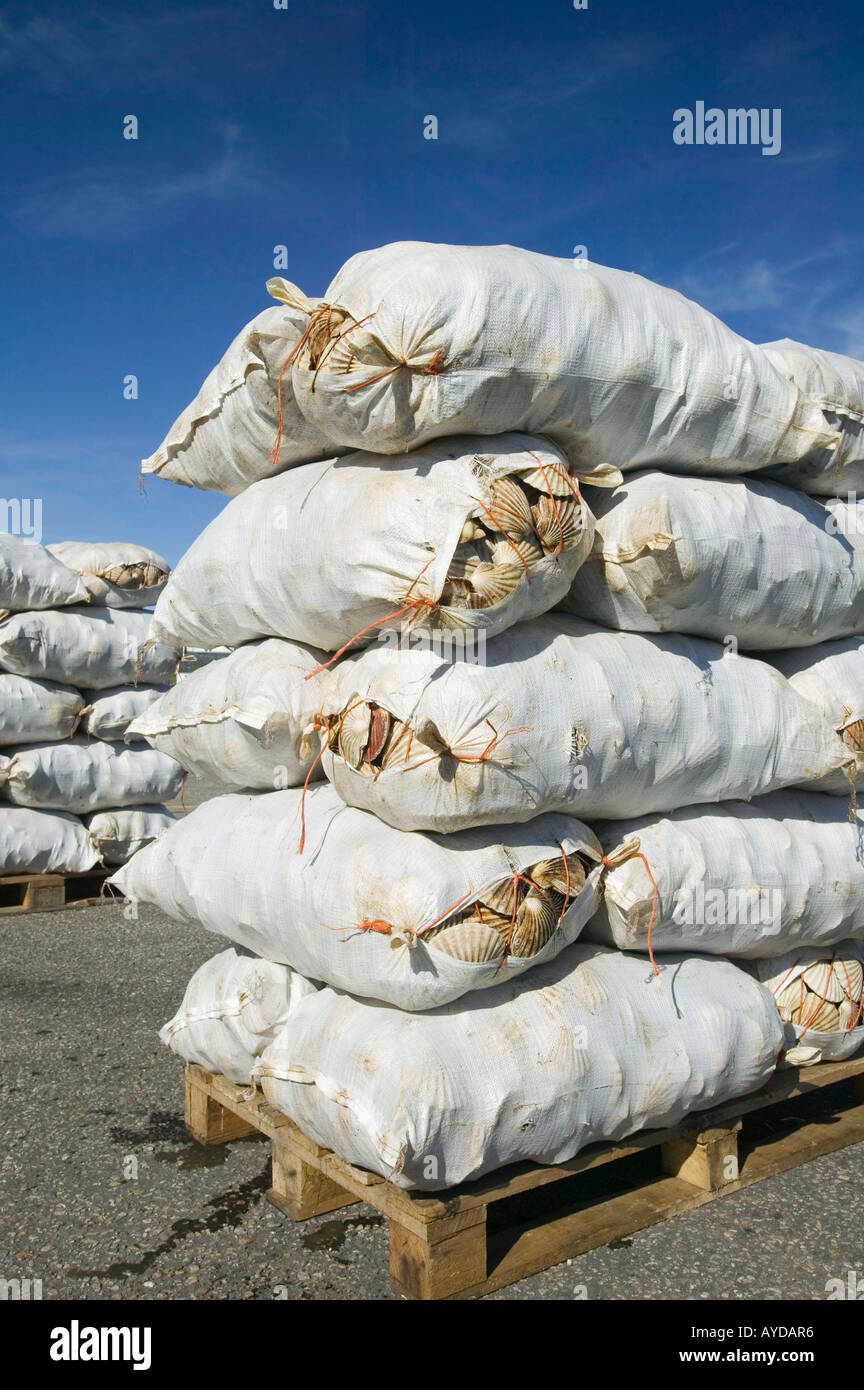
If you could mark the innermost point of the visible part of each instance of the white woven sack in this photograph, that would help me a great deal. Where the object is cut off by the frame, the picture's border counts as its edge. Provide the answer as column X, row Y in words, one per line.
column 818, row 995
column 121, row 832
column 91, row 648
column 356, row 907
column 835, row 384
column 224, row 439
column 328, row 552
column 244, row 721
column 565, row 717
column 232, row 1010
column 81, row 775
column 417, row 341
column 117, row 574
column 43, row 842
column 109, row 714
column 723, row 558
column 831, row 676
column 30, row 577
column 32, row 711
column 738, row 879
column 590, row 1046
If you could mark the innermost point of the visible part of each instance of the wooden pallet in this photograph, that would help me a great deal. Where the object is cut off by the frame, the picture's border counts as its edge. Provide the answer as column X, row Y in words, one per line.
column 478, row 1237
column 50, row 892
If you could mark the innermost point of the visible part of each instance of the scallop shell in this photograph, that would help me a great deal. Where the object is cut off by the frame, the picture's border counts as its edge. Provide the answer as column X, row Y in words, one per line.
column 510, row 509
column 521, row 554
column 379, row 728
column 353, row 736
column 553, row 478
column 824, row 1019
column 141, row 575
column 499, row 899
column 827, row 977
column 552, row 874
column 494, row 583
column 557, row 523
column 467, row 940
column 471, row 531
column 536, row 920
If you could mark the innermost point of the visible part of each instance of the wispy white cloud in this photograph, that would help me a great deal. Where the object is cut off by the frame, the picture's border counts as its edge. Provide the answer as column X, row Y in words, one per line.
column 97, row 205
column 64, row 53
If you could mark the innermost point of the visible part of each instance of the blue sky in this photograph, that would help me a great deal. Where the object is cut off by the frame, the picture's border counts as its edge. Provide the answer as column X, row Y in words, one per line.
column 304, row 126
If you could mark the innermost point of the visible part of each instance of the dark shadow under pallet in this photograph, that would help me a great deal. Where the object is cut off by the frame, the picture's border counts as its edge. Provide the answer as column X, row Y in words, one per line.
column 480, row 1236
column 51, row 892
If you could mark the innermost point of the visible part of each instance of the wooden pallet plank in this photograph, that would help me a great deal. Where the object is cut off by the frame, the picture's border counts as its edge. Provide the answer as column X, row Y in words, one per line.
column 53, row 892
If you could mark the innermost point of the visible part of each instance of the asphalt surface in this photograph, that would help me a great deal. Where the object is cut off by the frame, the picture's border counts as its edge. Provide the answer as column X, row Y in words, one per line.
column 103, row 1195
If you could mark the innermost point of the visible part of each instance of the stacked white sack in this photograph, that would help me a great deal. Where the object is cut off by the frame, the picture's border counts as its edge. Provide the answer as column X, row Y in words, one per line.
column 416, row 341
column 466, row 535
column 90, row 648
column 739, row 879
column 586, row 1047
column 34, row 711
column 245, row 721
column 818, row 995
column 233, row 1008
column 111, row 711
column 225, row 439
column 120, row 832
column 723, row 558
column 44, row 842
column 117, row 574
column 831, row 676
column 30, row 577
column 566, row 717
column 414, row 920
column 84, row 775
column 835, row 385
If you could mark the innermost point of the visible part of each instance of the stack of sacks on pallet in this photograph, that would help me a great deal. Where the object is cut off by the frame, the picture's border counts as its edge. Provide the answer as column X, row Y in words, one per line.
column 76, row 667
column 416, row 464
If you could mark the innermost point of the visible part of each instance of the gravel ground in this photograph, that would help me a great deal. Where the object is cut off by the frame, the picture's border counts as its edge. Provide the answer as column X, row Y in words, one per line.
column 89, row 1094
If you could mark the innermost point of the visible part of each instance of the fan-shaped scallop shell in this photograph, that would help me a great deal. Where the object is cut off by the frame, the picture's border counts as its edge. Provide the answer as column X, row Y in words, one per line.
column 536, row 920
column 551, row 873
column 494, row 583
column 510, row 508
column 353, row 735
column 553, row 477
column 822, row 1019
column 499, row 899
column 467, row 940
column 523, row 554
column 557, row 522
column 827, row 977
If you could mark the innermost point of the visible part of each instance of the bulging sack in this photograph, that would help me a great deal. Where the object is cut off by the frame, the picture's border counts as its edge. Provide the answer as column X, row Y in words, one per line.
column 121, row 832
column 82, row 776
column 225, row 439
column 745, row 879
column 465, row 535
column 117, row 574
column 245, row 721
column 43, row 842
column 835, row 385
column 831, row 676
column 415, row 920
column 32, row 711
column 565, row 717
column 232, row 1010
column 818, row 996
column 91, row 648
column 110, row 713
column 587, row 1047
column 416, row 341
column 723, row 558
column 30, row 577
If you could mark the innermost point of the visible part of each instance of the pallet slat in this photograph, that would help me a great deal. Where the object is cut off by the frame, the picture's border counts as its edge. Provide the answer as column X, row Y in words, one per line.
column 53, row 892
column 444, row 1246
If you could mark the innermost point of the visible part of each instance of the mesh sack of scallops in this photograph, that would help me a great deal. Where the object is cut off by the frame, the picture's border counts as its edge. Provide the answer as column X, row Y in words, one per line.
column 416, row 341
column 34, row 711
column 31, row 577
column 719, row 556
column 118, row 574
column 466, row 535
column 832, row 677
column 232, row 1010
column 564, row 716
column 245, row 721
column 740, row 879
column 89, row 648
column 413, row 920
column 244, row 425
column 835, row 384
column 819, row 999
